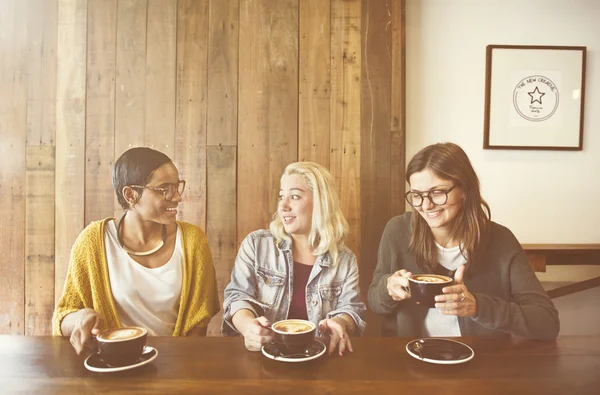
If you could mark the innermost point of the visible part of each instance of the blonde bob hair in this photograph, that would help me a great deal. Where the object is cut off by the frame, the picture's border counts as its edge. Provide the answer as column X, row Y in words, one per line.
column 329, row 227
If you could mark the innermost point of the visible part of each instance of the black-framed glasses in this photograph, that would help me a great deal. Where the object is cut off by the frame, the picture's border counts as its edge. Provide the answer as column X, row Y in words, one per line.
column 437, row 197
column 168, row 191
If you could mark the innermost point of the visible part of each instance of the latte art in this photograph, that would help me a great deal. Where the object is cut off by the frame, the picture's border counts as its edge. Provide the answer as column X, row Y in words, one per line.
column 293, row 335
column 431, row 278
column 121, row 334
column 122, row 346
column 293, row 326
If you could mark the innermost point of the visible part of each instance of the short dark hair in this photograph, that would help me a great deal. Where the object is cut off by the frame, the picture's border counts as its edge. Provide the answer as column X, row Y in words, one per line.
column 135, row 167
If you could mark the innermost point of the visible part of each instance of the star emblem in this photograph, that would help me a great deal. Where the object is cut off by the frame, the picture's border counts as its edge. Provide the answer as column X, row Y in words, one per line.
column 536, row 96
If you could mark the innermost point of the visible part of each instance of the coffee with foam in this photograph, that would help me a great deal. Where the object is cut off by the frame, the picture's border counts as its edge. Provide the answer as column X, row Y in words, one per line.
column 425, row 287
column 293, row 326
column 121, row 346
column 120, row 334
column 293, row 335
column 431, row 278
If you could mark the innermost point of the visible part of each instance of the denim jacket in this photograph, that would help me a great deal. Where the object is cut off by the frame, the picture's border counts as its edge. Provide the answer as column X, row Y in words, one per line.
column 262, row 281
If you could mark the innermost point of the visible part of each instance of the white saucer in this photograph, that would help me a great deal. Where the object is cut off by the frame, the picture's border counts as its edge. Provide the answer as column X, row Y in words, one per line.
column 315, row 350
column 440, row 351
column 96, row 364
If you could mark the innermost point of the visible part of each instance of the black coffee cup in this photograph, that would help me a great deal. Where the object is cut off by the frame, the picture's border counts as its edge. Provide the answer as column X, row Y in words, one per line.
column 121, row 346
column 425, row 287
column 293, row 335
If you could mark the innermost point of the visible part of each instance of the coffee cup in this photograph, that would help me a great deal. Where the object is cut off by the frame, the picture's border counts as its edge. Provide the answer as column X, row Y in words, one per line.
column 293, row 335
column 121, row 346
column 425, row 287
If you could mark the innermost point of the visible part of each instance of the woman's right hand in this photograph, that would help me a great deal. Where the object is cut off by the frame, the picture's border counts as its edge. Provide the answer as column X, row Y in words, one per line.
column 87, row 323
column 257, row 332
column 397, row 285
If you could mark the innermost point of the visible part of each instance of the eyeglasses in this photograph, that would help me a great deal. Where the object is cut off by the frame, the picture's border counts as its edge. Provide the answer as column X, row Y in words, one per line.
column 168, row 191
column 437, row 197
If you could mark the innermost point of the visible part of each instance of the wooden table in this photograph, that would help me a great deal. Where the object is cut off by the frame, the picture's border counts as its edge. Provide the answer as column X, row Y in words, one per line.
column 541, row 255
column 47, row 365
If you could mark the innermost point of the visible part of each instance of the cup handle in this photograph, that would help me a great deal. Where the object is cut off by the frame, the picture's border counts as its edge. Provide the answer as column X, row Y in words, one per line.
column 270, row 327
column 94, row 343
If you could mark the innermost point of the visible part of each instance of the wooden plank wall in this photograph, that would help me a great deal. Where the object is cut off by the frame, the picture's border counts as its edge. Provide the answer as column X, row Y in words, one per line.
column 13, row 135
column 231, row 90
column 100, row 108
column 221, row 151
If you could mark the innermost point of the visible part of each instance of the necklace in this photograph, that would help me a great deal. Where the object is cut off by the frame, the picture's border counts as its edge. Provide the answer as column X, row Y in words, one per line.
column 141, row 253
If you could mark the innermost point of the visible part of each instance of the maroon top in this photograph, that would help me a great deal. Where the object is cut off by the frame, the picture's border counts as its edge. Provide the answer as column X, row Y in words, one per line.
column 298, row 303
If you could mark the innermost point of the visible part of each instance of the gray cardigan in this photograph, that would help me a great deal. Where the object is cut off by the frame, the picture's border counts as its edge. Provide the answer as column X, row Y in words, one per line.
column 510, row 299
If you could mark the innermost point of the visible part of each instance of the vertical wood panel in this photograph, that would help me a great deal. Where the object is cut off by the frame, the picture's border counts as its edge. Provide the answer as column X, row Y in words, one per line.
column 222, row 141
column 268, row 113
column 190, row 152
column 282, row 85
column 13, row 132
column 223, row 72
column 253, row 135
column 314, row 81
column 100, row 109
column 130, row 85
column 130, row 111
column 34, row 22
column 41, row 20
column 375, row 131
column 160, row 75
column 70, row 131
column 221, row 218
column 398, row 120
column 345, row 110
column 39, row 240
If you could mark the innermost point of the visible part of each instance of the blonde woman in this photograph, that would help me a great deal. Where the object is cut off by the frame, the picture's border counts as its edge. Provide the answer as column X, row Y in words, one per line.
column 299, row 268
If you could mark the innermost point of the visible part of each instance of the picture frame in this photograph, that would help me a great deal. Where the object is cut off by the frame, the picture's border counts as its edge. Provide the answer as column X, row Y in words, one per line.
column 534, row 97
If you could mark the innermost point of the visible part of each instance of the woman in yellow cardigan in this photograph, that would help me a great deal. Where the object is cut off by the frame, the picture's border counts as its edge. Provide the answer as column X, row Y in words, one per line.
column 145, row 269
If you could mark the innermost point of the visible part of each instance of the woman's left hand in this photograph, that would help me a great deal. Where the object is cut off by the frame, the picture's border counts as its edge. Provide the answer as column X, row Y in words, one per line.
column 457, row 300
column 337, row 329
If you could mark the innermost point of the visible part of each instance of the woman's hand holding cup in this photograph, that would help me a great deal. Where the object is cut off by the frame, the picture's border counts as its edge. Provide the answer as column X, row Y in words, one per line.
column 87, row 324
column 457, row 300
column 397, row 285
column 257, row 333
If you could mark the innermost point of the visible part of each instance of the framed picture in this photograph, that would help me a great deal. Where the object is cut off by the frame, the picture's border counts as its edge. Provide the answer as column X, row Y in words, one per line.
column 534, row 97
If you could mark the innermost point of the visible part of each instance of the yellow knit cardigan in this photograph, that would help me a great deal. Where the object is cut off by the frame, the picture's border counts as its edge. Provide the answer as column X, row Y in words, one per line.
column 88, row 285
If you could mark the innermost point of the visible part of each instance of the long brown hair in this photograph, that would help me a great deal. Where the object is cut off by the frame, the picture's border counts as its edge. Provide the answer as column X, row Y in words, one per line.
column 471, row 226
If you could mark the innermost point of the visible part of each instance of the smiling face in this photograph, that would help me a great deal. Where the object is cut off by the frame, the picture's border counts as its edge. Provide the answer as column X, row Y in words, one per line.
column 295, row 205
column 152, row 205
column 439, row 218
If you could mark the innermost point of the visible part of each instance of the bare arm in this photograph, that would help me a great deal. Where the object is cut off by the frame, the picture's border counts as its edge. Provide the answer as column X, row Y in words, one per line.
column 81, row 326
column 241, row 319
column 256, row 331
column 348, row 322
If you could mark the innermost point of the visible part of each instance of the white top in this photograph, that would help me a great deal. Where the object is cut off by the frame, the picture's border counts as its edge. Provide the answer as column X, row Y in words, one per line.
column 144, row 297
column 436, row 323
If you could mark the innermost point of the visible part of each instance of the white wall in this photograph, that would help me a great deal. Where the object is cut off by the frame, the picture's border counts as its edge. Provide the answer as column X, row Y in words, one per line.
column 542, row 196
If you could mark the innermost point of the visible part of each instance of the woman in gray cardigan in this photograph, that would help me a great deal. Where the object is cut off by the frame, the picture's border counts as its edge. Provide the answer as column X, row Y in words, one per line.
column 449, row 231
